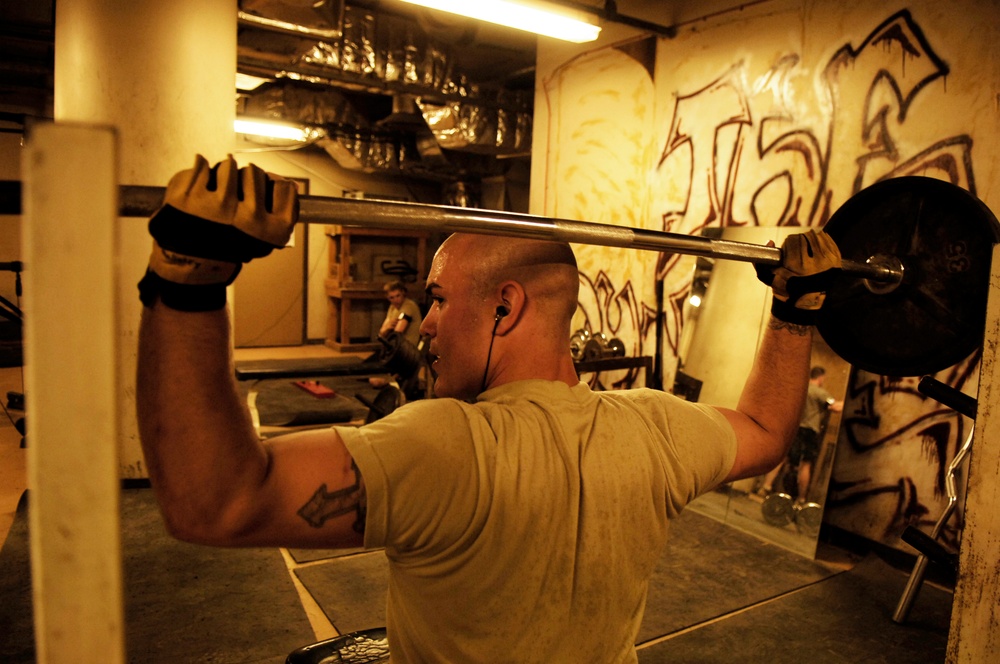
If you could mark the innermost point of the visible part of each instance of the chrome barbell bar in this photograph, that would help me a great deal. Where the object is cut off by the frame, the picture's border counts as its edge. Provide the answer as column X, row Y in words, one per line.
column 143, row 201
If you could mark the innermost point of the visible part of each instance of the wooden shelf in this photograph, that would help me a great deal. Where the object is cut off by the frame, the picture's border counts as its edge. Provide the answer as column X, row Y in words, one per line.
column 355, row 290
column 346, row 284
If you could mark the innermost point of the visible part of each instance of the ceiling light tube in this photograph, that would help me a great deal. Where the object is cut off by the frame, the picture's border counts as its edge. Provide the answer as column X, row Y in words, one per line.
column 539, row 18
column 273, row 129
column 246, row 82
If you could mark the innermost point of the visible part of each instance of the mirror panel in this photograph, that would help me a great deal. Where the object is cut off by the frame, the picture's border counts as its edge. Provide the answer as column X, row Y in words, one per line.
column 717, row 347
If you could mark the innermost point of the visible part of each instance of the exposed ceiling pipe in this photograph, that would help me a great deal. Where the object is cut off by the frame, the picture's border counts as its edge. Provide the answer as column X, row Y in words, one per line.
column 291, row 19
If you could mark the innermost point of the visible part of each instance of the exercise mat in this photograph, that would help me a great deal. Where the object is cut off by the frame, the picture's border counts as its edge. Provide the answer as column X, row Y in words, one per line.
column 279, row 402
column 17, row 634
column 183, row 602
column 312, row 555
column 843, row 619
column 351, row 590
column 707, row 570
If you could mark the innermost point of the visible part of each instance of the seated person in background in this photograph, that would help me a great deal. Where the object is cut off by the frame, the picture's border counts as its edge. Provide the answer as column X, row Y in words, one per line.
column 404, row 314
column 404, row 319
column 521, row 513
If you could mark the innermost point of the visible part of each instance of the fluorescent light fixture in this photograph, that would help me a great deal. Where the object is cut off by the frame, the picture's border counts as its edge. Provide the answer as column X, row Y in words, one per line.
column 246, row 82
column 273, row 129
column 547, row 20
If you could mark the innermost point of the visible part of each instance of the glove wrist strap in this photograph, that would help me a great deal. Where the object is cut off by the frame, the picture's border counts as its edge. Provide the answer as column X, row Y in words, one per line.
column 789, row 313
column 182, row 297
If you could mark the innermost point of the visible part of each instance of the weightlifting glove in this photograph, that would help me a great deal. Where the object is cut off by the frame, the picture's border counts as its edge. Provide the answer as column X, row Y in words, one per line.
column 213, row 220
column 809, row 264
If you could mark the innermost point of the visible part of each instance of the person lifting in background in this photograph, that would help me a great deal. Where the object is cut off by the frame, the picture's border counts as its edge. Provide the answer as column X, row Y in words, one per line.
column 806, row 447
column 521, row 513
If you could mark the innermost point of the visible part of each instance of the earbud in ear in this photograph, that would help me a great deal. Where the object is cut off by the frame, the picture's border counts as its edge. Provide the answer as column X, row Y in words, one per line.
column 501, row 312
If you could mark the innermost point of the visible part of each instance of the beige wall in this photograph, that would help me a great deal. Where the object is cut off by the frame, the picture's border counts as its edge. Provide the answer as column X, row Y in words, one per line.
column 263, row 317
column 270, row 320
column 775, row 115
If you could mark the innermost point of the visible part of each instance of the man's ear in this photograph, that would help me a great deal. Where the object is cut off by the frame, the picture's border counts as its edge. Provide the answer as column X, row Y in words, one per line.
column 512, row 300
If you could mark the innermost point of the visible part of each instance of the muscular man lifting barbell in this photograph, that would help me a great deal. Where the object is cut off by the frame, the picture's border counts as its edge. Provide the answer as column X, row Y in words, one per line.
column 520, row 512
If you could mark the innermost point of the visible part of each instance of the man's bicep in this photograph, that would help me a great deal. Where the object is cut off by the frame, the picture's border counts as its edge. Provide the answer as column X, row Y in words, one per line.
column 314, row 492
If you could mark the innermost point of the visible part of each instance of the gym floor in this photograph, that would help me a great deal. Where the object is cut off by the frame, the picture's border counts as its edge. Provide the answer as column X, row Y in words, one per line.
column 717, row 595
column 13, row 472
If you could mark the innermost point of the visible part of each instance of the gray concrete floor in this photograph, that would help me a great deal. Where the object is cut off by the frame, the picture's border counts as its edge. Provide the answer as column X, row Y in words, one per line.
column 768, row 616
column 13, row 458
column 743, row 512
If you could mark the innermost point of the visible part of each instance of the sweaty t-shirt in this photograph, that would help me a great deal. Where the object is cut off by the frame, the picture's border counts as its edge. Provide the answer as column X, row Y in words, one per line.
column 525, row 527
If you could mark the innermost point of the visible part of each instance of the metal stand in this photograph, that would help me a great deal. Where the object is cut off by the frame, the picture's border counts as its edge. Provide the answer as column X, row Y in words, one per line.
column 928, row 547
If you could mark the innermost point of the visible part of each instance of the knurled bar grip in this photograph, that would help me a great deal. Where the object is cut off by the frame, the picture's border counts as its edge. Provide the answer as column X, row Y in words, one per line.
column 142, row 201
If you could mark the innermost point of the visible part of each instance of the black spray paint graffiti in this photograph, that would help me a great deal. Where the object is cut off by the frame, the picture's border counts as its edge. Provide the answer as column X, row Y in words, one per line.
column 775, row 169
column 936, row 432
column 619, row 313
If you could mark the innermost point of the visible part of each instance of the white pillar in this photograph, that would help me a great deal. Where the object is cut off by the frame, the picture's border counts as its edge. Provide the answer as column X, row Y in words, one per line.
column 163, row 74
column 159, row 76
column 975, row 612
column 70, row 377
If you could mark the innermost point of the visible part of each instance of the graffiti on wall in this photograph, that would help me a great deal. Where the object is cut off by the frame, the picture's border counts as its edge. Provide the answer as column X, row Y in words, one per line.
column 893, row 462
column 603, row 306
column 785, row 144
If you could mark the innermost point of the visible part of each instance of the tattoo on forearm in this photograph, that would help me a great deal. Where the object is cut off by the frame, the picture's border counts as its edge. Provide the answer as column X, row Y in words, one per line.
column 801, row 330
column 326, row 505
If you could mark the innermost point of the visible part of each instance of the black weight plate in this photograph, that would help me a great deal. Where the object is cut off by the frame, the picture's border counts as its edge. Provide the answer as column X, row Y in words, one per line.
column 777, row 509
column 944, row 237
column 593, row 350
column 576, row 343
column 809, row 518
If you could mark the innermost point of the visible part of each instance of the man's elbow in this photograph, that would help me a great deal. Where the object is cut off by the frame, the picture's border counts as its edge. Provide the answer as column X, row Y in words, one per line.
column 211, row 527
column 769, row 452
column 773, row 458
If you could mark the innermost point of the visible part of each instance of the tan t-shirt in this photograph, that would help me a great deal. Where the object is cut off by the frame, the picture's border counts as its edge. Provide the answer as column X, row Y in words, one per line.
column 525, row 527
column 411, row 311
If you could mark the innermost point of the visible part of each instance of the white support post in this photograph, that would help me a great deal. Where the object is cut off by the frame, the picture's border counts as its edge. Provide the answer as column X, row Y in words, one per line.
column 974, row 636
column 71, row 263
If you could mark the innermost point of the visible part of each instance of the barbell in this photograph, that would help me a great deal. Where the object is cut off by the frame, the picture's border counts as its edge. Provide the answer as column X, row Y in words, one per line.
column 910, row 300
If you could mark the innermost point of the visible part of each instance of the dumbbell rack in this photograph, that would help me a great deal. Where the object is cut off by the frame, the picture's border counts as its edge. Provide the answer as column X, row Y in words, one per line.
column 616, row 363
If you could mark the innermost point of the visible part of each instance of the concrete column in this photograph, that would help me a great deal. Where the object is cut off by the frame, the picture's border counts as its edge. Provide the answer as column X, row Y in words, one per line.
column 70, row 375
column 153, row 83
column 163, row 74
column 975, row 612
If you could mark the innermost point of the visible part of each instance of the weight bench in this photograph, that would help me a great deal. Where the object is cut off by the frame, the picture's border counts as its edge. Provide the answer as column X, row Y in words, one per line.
column 366, row 646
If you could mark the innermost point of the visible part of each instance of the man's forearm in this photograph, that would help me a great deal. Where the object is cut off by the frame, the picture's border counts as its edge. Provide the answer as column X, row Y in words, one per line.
column 771, row 402
column 196, row 433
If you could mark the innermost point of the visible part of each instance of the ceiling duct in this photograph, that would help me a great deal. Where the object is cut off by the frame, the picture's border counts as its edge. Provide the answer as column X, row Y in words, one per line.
column 498, row 129
column 405, row 114
column 436, row 104
column 323, row 19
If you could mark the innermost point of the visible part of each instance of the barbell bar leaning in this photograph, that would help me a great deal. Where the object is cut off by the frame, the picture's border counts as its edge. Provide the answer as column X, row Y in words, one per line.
column 911, row 299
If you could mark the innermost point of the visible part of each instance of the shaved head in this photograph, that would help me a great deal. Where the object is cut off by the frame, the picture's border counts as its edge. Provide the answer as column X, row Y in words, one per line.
column 501, row 311
column 546, row 269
